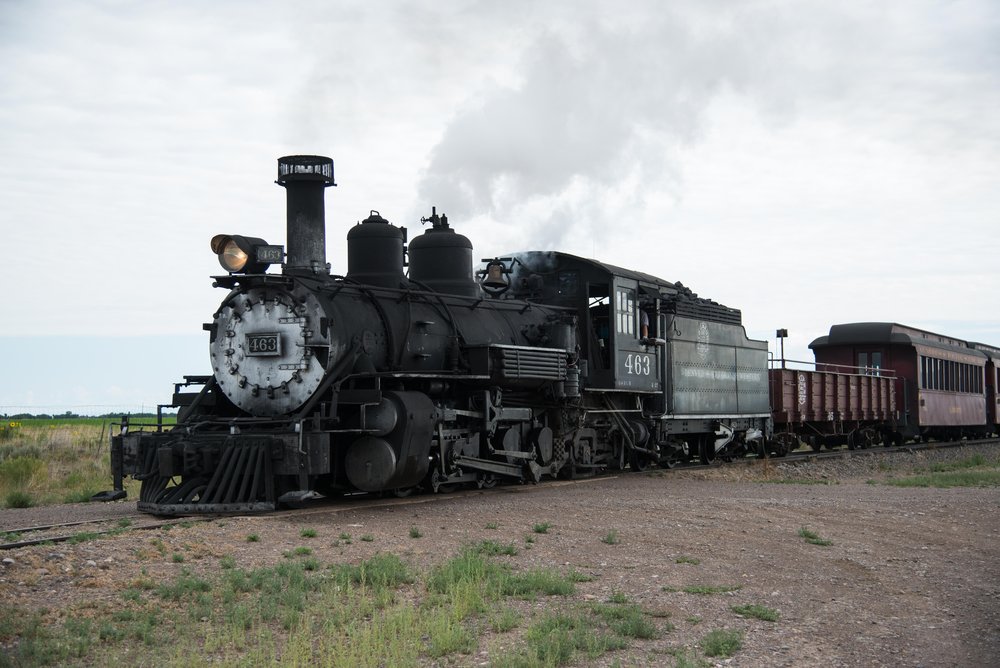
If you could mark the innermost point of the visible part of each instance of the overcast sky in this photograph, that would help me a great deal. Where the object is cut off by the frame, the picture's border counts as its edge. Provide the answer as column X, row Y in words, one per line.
column 810, row 163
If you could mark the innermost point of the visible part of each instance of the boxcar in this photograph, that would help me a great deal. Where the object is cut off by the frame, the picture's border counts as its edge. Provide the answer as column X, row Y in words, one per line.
column 940, row 380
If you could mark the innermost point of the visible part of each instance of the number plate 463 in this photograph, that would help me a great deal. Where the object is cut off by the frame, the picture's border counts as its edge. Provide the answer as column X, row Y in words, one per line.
column 263, row 344
column 638, row 365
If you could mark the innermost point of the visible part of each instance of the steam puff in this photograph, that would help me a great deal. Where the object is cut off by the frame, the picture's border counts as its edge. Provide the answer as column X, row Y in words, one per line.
column 595, row 112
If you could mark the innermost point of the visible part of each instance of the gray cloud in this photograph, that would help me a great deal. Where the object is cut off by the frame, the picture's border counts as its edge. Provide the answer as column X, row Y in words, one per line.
column 600, row 108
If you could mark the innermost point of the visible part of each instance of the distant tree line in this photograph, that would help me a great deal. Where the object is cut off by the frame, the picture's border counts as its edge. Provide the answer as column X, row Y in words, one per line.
column 69, row 415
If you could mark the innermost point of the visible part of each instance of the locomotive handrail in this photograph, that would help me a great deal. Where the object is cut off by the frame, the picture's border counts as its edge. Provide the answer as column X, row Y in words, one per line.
column 328, row 382
column 825, row 367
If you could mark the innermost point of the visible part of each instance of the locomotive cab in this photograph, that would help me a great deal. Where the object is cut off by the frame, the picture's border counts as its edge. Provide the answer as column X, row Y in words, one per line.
column 677, row 371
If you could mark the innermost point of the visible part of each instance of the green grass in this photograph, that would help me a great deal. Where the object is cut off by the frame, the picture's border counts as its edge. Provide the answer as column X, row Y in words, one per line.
column 684, row 659
column 308, row 533
column 542, row 527
column 54, row 461
column 185, row 586
column 415, row 533
column 756, row 611
column 975, row 461
column 813, row 538
column 704, row 590
column 687, row 560
column 722, row 642
column 19, row 499
column 626, row 620
column 949, row 479
column 491, row 547
column 377, row 612
column 800, row 481
column 83, row 537
column 559, row 638
column 504, row 620
column 977, row 470
column 611, row 538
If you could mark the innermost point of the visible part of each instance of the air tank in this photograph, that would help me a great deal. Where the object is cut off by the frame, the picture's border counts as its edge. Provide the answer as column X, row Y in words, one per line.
column 441, row 259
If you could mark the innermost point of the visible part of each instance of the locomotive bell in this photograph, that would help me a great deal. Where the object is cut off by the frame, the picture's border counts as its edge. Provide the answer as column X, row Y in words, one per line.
column 496, row 277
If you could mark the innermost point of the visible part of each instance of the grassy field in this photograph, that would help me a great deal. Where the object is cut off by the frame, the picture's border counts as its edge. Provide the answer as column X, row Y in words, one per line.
column 379, row 612
column 47, row 461
column 975, row 471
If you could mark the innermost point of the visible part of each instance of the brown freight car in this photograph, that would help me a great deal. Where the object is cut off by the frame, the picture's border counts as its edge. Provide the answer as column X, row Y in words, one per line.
column 852, row 406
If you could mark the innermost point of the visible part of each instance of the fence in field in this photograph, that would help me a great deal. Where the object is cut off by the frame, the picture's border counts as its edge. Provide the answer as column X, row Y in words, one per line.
column 70, row 411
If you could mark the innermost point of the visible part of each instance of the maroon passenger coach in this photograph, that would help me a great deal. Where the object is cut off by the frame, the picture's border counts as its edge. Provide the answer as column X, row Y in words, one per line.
column 992, row 383
column 940, row 380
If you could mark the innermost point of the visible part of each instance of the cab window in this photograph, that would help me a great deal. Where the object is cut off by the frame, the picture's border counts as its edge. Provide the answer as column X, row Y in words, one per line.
column 625, row 311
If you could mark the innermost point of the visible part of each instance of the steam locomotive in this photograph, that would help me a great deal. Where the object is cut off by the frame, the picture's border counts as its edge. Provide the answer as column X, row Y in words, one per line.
column 385, row 380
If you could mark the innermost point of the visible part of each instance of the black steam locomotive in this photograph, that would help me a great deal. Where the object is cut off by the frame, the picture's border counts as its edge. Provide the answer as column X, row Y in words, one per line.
column 530, row 365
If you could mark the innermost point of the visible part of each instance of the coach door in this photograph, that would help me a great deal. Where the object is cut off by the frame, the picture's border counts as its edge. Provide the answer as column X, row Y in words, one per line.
column 637, row 365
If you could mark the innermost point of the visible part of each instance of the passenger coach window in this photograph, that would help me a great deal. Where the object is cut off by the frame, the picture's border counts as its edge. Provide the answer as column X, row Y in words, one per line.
column 949, row 376
column 872, row 369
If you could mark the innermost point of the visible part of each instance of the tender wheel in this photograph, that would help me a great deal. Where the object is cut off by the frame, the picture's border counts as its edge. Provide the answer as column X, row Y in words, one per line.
column 870, row 437
column 670, row 455
column 785, row 443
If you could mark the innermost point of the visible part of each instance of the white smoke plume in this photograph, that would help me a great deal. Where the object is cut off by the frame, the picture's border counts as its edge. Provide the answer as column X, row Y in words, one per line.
column 600, row 110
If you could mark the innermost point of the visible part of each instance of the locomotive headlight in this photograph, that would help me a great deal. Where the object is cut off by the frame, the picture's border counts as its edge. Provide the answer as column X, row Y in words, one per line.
column 248, row 255
column 232, row 257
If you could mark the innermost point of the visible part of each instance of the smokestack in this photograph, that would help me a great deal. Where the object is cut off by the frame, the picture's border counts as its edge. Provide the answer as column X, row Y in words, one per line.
column 304, row 178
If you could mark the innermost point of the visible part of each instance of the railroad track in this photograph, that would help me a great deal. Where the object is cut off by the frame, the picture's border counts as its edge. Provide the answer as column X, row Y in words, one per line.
column 812, row 455
column 58, row 532
column 55, row 533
